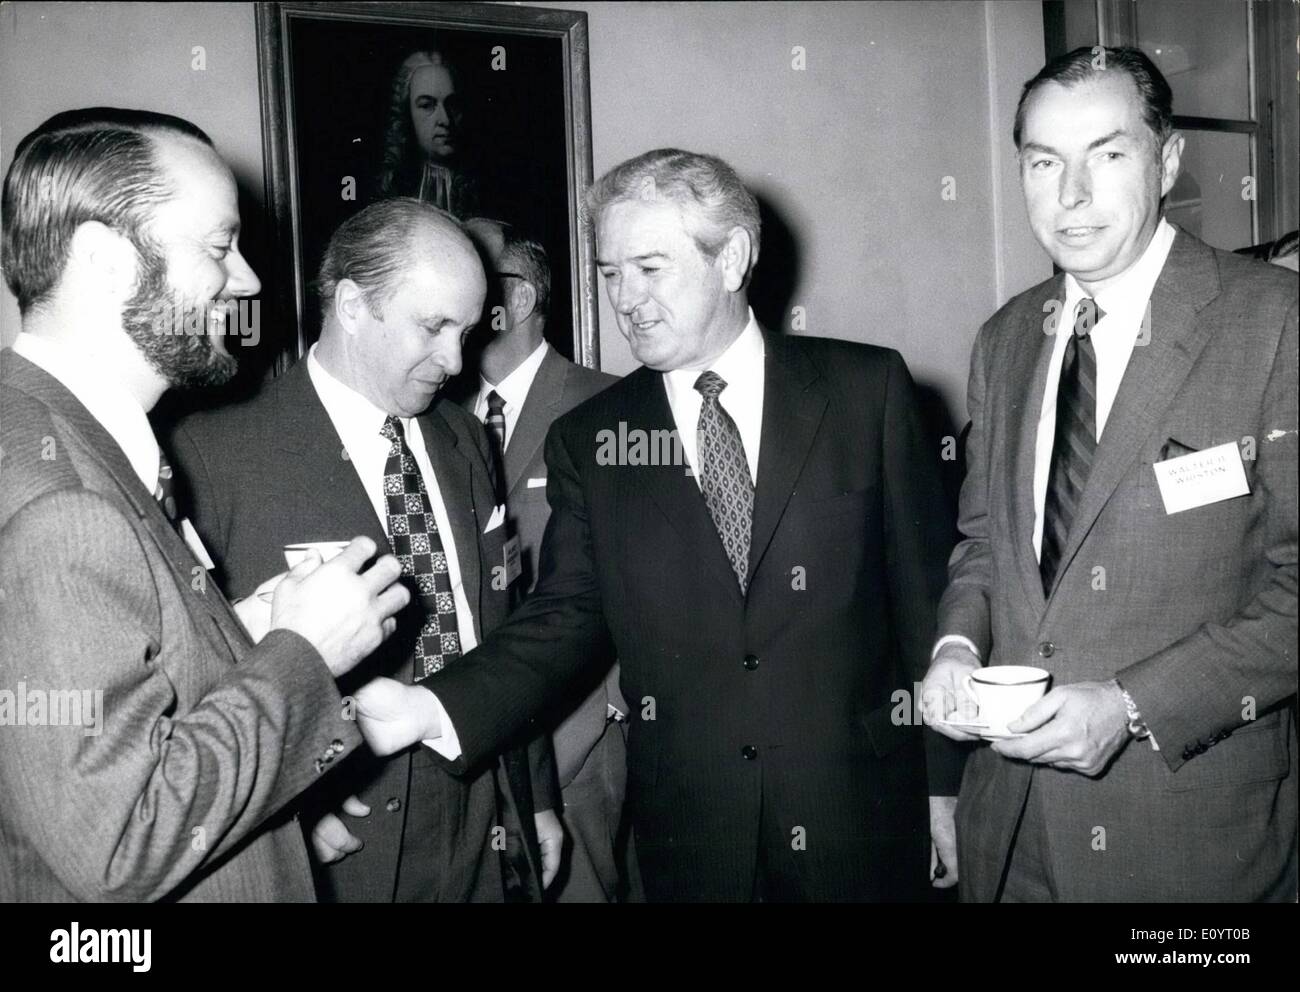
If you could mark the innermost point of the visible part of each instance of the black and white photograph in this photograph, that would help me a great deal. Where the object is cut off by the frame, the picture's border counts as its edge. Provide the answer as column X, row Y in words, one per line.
column 832, row 453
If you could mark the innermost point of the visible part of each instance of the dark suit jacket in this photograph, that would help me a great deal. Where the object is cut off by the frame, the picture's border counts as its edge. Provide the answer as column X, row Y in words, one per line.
column 271, row 472
column 1194, row 612
column 776, row 703
column 205, row 738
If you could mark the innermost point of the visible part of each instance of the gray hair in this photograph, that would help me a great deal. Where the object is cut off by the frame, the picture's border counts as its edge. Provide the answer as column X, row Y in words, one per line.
column 704, row 183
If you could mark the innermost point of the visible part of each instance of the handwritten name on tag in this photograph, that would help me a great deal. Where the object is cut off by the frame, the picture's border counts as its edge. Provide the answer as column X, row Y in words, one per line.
column 510, row 556
column 1201, row 478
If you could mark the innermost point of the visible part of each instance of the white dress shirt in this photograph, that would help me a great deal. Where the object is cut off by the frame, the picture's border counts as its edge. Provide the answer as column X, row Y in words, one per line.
column 1124, row 304
column 1116, row 334
column 100, row 392
column 741, row 368
column 513, row 389
column 358, row 422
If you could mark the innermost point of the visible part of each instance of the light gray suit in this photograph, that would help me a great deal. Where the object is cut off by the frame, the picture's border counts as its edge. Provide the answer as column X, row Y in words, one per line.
column 1194, row 612
column 205, row 738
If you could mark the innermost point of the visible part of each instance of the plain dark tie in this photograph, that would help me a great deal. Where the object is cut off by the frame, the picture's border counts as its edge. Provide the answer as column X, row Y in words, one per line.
column 1075, row 441
column 496, row 425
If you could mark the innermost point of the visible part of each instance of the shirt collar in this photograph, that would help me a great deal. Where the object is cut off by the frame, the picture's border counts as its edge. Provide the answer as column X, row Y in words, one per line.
column 514, row 387
column 99, row 391
column 1127, row 297
column 740, row 366
column 354, row 416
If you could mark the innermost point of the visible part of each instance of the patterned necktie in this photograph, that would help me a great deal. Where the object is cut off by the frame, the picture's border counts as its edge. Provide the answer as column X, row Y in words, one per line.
column 165, row 491
column 496, row 425
column 413, row 535
column 724, row 474
column 1075, row 440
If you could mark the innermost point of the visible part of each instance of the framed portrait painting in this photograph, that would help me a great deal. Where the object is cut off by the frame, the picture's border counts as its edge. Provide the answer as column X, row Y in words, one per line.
column 480, row 109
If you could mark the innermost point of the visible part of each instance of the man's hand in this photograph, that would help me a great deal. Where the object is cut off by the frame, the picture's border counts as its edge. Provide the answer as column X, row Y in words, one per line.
column 943, row 841
column 331, row 839
column 943, row 693
column 1077, row 728
column 345, row 615
column 550, row 838
column 392, row 716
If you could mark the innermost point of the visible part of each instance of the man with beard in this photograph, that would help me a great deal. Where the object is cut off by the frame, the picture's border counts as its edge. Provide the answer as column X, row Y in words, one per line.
column 154, row 746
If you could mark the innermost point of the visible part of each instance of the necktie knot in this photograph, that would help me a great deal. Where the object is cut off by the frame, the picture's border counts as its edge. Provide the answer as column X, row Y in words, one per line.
column 392, row 430
column 710, row 385
column 495, row 403
column 1086, row 316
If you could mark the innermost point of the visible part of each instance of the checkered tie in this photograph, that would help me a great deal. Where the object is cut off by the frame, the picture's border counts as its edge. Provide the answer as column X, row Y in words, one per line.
column 724, row 474
column 413, row 534
column 1075, row 440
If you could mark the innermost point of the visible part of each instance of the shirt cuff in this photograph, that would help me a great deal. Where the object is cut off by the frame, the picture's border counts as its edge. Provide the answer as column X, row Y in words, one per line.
column 954, row 639
column 447, row 745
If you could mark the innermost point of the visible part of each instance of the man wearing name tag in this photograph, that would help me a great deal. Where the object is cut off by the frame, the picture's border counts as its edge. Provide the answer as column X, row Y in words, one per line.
column 1129, row 515
column 121, row 226
column 523, row 385
column 354, row 439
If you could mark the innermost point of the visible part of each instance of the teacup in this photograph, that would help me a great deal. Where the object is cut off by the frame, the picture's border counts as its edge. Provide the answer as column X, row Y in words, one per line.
column 1004, row 692
column 294, row 553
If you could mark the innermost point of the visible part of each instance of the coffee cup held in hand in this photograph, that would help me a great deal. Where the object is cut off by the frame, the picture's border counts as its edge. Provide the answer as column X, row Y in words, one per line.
column 1004, row 692
column 295, row 553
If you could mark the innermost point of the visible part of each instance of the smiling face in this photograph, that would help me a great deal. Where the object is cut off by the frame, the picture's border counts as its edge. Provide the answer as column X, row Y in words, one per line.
column 673, row 303
column 191, row 273
column 435, row 111
column 1093, row 176
column 400, row 360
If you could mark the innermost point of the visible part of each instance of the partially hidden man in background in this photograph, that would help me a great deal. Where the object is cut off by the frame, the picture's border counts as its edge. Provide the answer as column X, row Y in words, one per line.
column 522, row 385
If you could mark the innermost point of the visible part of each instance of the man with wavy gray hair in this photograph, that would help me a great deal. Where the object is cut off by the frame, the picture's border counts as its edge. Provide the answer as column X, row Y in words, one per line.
column 754, row 523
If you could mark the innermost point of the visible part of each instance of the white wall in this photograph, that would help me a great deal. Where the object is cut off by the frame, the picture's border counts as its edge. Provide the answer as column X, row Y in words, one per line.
column 851, row 153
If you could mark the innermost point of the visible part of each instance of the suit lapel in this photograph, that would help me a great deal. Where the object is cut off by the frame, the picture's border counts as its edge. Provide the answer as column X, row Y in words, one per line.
column 40, row 385
column 545, row 394
column 339, row 508
column 468, row 506
column 793, row 406
column 1028, row 380
column 1156, row 371
column 671, row 486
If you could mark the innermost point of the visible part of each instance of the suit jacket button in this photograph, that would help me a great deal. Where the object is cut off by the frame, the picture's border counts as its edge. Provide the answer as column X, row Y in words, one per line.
column 751, row 662
column 749, row 752
column 1046, row 649
column 393, row 805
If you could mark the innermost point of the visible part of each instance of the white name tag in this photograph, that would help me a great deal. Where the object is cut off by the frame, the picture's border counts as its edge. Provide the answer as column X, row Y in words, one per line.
column 510, row 556
column 192, row 539
column 1201, row 478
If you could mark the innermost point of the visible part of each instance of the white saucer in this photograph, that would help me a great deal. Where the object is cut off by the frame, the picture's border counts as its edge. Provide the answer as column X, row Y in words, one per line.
column 983, row 730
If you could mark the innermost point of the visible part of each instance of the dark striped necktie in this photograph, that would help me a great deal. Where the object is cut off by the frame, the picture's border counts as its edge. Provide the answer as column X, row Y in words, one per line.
column 1075, row 441
column 496, row 425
